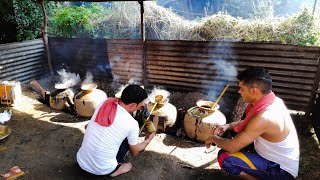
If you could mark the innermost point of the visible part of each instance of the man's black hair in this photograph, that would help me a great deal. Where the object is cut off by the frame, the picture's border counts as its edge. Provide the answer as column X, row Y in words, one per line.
column 133, row 94
column 256, row 77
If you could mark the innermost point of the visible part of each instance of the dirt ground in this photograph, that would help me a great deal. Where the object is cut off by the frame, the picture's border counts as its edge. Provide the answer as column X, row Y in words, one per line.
column 44, row 143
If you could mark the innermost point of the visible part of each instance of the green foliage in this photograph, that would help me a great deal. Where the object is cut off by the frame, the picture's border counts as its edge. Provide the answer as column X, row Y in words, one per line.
column 77, row 21
column 28, row 17
column 95, row 20
column 299, row 29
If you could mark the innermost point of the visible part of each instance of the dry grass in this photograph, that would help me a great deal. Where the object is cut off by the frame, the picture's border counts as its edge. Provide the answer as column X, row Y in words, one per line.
column 309, row 155
column 122, row 21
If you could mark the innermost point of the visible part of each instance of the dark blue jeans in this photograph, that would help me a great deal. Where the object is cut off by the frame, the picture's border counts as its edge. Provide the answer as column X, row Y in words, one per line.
column 124, row 148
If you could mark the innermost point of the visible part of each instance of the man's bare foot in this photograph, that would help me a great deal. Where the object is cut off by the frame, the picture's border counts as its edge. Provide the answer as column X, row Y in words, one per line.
column 124, row 168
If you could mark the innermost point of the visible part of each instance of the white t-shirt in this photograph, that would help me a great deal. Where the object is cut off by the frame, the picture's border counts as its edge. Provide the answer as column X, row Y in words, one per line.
column 286, row 153
column 97, row 154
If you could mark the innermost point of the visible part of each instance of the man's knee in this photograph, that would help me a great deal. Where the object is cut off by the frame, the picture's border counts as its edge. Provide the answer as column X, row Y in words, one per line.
column 227, row 164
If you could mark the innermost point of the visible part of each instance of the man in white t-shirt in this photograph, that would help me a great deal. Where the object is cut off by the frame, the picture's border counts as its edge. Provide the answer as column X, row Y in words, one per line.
column 111, row 132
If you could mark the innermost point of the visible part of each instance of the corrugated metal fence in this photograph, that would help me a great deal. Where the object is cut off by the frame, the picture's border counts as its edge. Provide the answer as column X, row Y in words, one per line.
column 182, row 65
column 23, row 61
column 80, row 56
column 125, row 57
column 208, row 66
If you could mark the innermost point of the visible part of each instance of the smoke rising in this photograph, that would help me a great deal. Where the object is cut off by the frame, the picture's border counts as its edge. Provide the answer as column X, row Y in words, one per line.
column 68, row 79
column 225, row 71
column 89, row 79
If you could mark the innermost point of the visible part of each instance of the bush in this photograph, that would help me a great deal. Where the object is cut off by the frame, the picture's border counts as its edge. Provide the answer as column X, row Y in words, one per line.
column 76, row 21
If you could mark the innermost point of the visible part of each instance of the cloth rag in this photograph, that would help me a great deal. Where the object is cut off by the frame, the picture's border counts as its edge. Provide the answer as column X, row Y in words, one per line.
column 253, row 109
column 107, row 112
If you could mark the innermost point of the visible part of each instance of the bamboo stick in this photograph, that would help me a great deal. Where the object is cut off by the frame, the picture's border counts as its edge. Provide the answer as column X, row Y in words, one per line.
column 215, row 103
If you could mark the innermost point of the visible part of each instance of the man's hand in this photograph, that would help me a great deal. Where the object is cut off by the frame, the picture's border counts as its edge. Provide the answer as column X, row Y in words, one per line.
column 220, row 129
column 209, row 142
column 149, row 137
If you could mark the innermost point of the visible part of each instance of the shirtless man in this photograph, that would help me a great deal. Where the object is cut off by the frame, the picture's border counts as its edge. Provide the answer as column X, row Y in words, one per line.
column 268, row 125
column 111, row 132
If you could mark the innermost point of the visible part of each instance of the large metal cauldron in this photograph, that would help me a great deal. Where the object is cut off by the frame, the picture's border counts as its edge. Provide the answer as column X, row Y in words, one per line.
column 200, row 120
column 88, row 99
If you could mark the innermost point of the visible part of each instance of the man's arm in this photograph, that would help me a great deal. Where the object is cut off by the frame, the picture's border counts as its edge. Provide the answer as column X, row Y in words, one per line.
column 221, row 129
column 136, row 149
column 253, row 130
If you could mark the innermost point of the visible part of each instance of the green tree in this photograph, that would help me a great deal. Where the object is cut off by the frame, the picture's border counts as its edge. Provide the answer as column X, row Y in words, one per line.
column 26, row 16
column 75, row 21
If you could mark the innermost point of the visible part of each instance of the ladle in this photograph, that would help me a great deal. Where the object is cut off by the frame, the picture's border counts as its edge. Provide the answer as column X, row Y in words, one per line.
column 158, row 99
column 215, row 103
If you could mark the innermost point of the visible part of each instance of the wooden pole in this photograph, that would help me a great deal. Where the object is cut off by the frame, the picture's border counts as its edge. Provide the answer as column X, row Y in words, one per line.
column 144, row 64
column 314, row 7
column 45, row 36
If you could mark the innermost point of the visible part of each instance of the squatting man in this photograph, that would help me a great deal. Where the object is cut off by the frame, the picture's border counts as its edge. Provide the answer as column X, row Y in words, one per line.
column 111, row 132
column 266, row 145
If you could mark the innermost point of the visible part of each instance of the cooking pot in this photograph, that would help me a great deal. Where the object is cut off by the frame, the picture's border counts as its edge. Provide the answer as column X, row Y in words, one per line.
column 88, row 100
column 200, row 120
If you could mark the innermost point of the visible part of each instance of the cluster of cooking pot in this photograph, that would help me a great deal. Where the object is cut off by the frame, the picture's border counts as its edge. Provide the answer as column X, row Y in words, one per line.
column 197, row 124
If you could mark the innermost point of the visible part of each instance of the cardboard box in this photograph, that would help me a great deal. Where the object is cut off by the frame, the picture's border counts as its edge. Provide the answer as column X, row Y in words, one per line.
column 10, row 92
